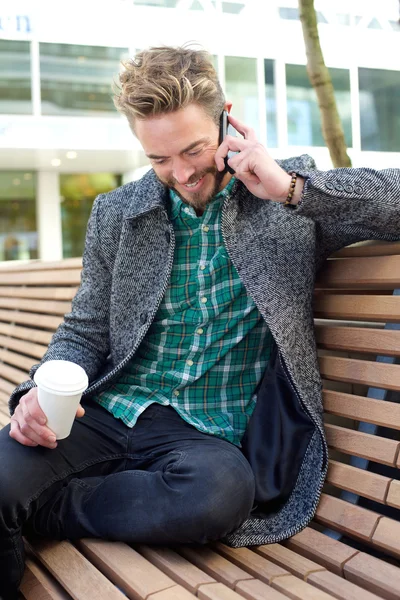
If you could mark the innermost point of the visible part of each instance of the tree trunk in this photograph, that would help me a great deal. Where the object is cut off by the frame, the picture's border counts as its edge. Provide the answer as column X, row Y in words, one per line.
column 319, row 76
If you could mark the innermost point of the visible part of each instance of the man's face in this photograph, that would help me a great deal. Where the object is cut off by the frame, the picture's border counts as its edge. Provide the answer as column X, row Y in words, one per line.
column 181, row 147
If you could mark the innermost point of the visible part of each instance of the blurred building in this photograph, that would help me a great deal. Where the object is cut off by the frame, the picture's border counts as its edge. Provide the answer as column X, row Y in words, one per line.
column 62, row 142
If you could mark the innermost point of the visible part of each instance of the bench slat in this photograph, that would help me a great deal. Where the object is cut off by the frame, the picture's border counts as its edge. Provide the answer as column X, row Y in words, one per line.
column 338, row 587
column 43, row 293
column 5, row 386
column 366, row 484
column 377, row 575
column 130, row 571
column 362, row 444
column 271, row 573
column 358, row 307
column 13, row 375
column 258, row 566
column 25, row 333
column 215, row 565
column 42, row 265
column 360, row 408
column 25, row 348
column 298, row 589
column 17, row 360
column 393, row 497
column 254, row 589
column 387, row 536
column 369, row 248
column 174, row 593
column 175, row 566
column 313, row 573
column 3, row 398
column 326, row 551
column 71, row 569
column 381, row 272
column 47, row 307
column 43, row 277
column 353, row 370
column 287, row 559
column 37, row 584
column 37, row 321
column 358, row 522
column 356, row 339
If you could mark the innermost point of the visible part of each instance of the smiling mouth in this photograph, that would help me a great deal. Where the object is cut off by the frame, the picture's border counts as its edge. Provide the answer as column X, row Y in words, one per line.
column 192, row 185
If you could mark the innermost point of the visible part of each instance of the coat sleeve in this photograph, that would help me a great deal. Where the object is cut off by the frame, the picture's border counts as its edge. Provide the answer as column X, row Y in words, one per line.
column 83, row 337
column 348, row 205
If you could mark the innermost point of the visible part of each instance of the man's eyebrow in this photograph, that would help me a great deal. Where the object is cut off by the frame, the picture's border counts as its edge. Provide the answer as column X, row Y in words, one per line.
column 190, row 147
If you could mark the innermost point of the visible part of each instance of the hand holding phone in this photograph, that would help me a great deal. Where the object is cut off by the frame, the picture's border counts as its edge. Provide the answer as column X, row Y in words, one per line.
column 251, row 163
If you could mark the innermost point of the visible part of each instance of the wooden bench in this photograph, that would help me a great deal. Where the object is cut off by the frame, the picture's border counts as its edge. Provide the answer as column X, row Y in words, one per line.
column 353, row 303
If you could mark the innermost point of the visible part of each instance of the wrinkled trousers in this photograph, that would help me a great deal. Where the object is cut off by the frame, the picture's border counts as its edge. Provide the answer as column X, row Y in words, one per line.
column 160, row 482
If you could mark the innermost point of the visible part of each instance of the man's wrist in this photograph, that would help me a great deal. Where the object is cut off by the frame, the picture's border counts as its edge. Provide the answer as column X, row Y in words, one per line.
column 297, row 193
column 298, row 190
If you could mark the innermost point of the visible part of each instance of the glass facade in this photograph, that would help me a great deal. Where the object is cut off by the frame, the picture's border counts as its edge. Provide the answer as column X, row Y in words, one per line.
column 77, row 80
column 270, row 97
column 78, row 192
column 242, row 89
column 18, row 232
column 158, row 3
column 15, row 77
column 379, row 110
column 304, row 123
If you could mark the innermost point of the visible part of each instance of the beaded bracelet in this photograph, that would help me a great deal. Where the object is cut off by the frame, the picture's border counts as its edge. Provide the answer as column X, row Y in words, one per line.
column 292, row 187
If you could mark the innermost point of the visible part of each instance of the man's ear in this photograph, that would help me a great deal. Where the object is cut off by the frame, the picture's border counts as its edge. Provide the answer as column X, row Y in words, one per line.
column 228, row 106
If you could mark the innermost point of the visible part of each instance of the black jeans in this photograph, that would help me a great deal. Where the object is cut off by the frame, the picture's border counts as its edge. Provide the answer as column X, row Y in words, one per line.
column 161, row 482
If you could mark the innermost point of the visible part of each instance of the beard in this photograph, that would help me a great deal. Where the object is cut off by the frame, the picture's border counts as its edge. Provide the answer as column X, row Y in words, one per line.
column 199, row 200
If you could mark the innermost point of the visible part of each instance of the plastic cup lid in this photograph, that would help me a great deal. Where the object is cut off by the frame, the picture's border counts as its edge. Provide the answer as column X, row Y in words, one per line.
column 61, row 376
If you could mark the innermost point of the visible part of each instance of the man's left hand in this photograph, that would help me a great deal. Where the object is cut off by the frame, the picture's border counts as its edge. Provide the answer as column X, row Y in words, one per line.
column 259, row 172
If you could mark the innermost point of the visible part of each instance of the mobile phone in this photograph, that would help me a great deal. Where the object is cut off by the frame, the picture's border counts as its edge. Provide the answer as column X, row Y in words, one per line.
column 224, row 129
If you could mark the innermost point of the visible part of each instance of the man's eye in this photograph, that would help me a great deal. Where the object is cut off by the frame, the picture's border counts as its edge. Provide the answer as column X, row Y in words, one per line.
column 159, row 161
column 195, row 153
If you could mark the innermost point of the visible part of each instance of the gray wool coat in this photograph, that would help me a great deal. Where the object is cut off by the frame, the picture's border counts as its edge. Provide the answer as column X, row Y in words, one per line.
column 277, row 252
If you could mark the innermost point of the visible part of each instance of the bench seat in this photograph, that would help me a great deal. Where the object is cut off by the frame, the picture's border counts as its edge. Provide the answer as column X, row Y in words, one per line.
column 350, row 551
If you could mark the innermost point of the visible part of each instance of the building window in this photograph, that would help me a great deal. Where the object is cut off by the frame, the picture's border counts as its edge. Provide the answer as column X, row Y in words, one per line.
column 242, row 90
column 77, row 80
column 158, row 3
column 78, row 192
column 18, row 232
column 272, row 136
column 15, row 78
column 292, row 14
column 379, row 110
column 304, row 122
column 234, row 8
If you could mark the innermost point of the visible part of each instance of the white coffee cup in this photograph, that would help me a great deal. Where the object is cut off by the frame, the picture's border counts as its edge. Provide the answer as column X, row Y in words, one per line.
column 61, row 384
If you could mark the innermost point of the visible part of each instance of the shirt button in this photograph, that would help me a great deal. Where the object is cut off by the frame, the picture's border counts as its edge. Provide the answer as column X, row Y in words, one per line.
column 205, row 228
column 202, row 267
column 204, row 300
column 199, row 330
column 187, row 210
column 176, row 393
column 189, row 362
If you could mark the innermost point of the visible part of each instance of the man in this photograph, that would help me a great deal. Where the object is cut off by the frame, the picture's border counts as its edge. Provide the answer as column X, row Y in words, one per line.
column 194, row 324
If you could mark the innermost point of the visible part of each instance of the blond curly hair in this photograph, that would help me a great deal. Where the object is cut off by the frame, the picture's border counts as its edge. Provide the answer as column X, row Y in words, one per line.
column 165, row 79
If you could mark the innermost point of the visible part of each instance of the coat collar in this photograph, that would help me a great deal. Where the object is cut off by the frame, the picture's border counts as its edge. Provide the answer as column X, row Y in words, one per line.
column 149, row 194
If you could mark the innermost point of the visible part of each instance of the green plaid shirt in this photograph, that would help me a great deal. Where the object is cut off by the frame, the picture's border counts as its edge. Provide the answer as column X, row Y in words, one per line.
column 208, row 346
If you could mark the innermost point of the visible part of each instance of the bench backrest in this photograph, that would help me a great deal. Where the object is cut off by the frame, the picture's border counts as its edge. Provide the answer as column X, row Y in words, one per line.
column 354, row 302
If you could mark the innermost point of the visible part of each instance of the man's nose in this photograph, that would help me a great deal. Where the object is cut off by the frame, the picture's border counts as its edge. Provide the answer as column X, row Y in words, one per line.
column 182, row 172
